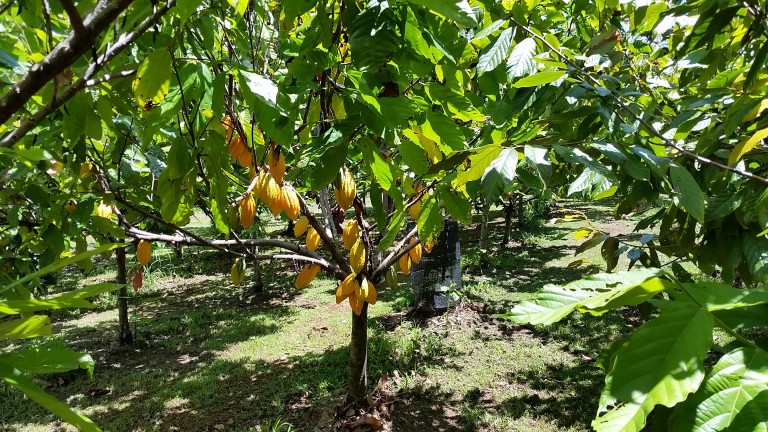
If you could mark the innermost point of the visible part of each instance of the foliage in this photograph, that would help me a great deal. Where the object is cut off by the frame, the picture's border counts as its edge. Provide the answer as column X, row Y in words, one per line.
column 420, row 105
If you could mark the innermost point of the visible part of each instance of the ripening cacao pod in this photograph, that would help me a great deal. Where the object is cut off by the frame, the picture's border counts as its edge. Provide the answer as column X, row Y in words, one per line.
column 136, row 276
column 346, row 191
column 369, row 290
column 85, row 168
column 143, row 252
column 307, row 275
column 247, row 210
column 246, row 158
column 278, row 202
column 69, row 207
column 233, row 216
column 350, row 234
column 357, row 256
column 405, row 264
column 313, row 239
column 262, row 180
column 391, row 277
column 277, row 164
column 415, row 252
column 301, row 226
column 237, row 273
column 236, row 148
column 291, row 203
column 272, row 195
column 414, row 210
column 356, row 302
column 346, row 287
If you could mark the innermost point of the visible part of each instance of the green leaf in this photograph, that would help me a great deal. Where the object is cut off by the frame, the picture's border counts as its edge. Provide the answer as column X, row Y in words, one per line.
column 688, row 194
column 48, row 361
column 74, row 299
column 430, row 223
column 717, row 296
column 495, row 54
column 479, row 162
column 487, row 31
column 745, row 146
column 608, row 251
column 240, row 6
column 593, row 294
column 645, row 17
column 456, row 205
column 661, row 364
column 721, row 206
column 15, row 378
column 732, row 397
column 499, row 174
column 538, row 79
column 758, row 62
column 382, row 171
column 520, row 62
column 755, row 252
column 24, row 328
column 394, row 227
column 60, row 264
column 153, row 79
column 455, row 10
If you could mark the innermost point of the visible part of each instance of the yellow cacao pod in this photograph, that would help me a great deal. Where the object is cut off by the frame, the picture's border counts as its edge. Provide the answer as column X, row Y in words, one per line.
column 313, row 239
column 346, row 191
column 272, row 195
column 261, row 184
column 236, row 148
column 104, row 210
column 143, row 252
column 278, row 202
column 369, row 290
column 405, row 264
column 247, row 210
column 291, row 203
column 85, row 168
column 357, row 256
column 356, row 302
column 277, row 165
column 415, row 252
column 346, row 287
column 301, row 226
column 350, row 234
column 306, row 275
column 415, row 209
column 246, row 158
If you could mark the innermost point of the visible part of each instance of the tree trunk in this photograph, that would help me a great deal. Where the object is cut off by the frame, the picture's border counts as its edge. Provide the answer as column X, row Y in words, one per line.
column 125, row 337
column 508, row 210
column 520, row 213
column 258, row 284
column 358, row 356
column 325, row 207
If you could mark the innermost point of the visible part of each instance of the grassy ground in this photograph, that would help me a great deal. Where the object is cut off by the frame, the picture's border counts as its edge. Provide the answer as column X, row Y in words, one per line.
column 207, row 360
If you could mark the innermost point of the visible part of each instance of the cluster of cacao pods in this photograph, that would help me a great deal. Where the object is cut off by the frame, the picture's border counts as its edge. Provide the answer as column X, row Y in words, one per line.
column 344, row 189
column 270, row 188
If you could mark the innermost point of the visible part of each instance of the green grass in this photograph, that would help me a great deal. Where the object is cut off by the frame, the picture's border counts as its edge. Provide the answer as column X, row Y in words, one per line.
column 205, row 359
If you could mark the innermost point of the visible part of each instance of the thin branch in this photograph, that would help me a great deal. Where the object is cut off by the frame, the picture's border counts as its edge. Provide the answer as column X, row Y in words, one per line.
column 74, row 16
column 110, row 76
column 63, row 55
column 122, row 42
column 618, row 99
column 402, row 248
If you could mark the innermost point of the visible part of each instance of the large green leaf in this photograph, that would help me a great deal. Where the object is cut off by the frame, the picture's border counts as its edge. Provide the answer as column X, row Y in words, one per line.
column 74, row 299
column 153, row 79
column 394, row 227
column 15, row 378
column 496, row 53
column 688, row 194
column 479, row 162
column 456, row 205
column 24, row 328
column 499, row 174
column 661, row 364
column 732, row 398
column 717, row 296
column 430, row 223
column 541, row 78
column 595, row 294
column 455, row 10
column 520, row 62
column 48, row 360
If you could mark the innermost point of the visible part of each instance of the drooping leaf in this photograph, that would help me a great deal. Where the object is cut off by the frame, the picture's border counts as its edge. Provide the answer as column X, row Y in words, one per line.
column 745, row 146
column 520, row 62
column 541, row 78
column 24, row 328
column 688, row 194
column 455, row 10
column 41, row 361
column 499, row 174
column 153, row 79
column 496, row 53
column 660, row 364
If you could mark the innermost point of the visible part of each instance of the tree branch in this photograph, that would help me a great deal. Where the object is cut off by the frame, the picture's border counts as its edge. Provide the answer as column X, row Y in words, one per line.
column 122, row 42
column 401, row 249
column 62, row 56
column 74, row 16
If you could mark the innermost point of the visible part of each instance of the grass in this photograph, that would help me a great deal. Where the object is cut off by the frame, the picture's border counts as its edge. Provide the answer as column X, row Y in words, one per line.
column 207, row 360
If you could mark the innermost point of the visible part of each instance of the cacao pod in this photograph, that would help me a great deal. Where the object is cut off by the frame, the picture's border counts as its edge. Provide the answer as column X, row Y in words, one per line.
column 277, row 164
column 136, row 276
column 246, row 158
column 405, row 264
column 313, row 239
column 278, row 203
column 247, row 210
column 369, row 290
column 261, row 185
column 345, row 288
column 415, row 252
column 272, row 195
column 307, row 275
column 414, row 210
column 85, row 168
column 104, row 210
column 357, row 256
column 237, row 148
column 346, row 191
column 69, row 207
column 391, row 277
column 233, row 216
column 350, row 234
column 238, row 271
column 356, row 303
column 291, row 203
column 301, row 226
column 143, row 252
